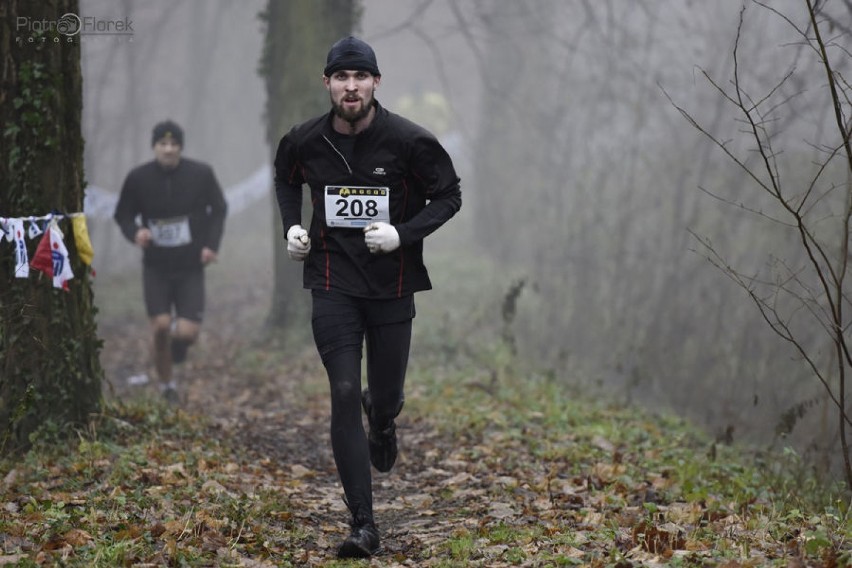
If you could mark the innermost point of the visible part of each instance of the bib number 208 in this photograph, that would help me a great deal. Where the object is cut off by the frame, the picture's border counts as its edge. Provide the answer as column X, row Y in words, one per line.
column 357, row 208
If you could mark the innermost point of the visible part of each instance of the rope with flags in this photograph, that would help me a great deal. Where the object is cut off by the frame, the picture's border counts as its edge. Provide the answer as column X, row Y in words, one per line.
column 51, row 255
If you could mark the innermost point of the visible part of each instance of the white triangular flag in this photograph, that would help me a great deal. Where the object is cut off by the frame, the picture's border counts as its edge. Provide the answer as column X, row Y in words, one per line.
column 62, row 272
column 3, row 230
column 22, row 261
column 34, row 230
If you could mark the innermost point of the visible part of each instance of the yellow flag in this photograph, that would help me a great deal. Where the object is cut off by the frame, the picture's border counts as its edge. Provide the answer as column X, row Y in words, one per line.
column 81, row 238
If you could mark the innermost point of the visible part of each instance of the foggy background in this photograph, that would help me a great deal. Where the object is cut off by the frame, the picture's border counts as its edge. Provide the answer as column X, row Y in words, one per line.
column 579, row 177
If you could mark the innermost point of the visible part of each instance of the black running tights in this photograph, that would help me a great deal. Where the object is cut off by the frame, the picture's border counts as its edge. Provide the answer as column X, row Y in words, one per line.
column 387, row 358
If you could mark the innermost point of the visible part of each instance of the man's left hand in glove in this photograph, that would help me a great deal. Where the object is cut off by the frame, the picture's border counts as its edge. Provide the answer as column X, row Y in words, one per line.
column 381, row 237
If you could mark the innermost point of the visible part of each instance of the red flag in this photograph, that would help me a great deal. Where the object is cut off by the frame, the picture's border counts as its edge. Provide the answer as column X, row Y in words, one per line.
column 51, row 257
column 43, row 259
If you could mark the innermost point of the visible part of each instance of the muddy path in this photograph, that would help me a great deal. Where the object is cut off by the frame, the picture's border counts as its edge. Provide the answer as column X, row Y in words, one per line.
column 278, row 418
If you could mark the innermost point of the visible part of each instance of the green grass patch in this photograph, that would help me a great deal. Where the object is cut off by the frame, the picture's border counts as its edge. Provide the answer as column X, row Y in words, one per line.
column 521, row 467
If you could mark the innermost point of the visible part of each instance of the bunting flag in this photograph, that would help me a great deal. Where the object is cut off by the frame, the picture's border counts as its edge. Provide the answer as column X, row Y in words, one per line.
column 51, row 257
column 42, row 259
column 35, row 230
column 15, row 228
column 81, row 239
column 62, row 272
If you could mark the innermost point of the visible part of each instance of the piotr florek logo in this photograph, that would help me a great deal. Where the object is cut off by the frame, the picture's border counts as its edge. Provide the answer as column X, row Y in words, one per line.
column 69, row 27
column 69, row 24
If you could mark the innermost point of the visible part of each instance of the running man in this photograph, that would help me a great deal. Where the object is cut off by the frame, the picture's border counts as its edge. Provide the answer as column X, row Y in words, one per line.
column 379, row 185
column 173, row 208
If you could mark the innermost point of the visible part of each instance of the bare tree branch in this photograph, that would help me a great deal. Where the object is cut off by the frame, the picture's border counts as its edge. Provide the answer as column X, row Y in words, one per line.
column 817, row 287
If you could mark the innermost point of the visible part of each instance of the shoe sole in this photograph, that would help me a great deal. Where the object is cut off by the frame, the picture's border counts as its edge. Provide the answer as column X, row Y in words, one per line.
column 350, row 550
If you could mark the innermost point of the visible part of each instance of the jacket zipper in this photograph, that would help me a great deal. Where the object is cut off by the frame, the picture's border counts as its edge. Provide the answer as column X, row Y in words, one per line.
column 342, row 157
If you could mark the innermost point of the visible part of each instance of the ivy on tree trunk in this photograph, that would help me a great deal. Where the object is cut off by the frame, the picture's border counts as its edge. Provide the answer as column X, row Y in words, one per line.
column 50, row 373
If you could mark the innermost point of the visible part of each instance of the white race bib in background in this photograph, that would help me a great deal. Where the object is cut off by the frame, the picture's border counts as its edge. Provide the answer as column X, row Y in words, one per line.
column 173, row 232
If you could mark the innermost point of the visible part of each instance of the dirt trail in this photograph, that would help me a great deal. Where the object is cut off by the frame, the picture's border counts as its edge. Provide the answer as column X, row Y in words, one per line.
column 270, row 424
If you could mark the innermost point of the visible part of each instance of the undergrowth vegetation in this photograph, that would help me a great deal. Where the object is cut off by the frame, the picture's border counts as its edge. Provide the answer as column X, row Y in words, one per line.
column 501, row 464
column 544, row 476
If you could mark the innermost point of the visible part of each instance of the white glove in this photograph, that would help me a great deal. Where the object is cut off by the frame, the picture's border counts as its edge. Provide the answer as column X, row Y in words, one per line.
column 381, row 237
column 298, row 243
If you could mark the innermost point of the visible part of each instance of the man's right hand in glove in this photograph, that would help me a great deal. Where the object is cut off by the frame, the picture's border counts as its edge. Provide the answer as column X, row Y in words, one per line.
column 298, row 243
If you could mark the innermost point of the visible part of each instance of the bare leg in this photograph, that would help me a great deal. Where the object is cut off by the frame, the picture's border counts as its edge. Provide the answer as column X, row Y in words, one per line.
column 186, row 330
column 161, row 354
column 184, row 334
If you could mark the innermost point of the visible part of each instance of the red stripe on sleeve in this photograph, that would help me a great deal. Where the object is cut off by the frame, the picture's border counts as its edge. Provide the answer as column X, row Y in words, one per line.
column 327, row 261
column 401, row 270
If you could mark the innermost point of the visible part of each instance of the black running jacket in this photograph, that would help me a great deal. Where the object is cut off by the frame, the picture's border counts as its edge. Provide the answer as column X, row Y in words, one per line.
column 154, row 194
column 392, row 152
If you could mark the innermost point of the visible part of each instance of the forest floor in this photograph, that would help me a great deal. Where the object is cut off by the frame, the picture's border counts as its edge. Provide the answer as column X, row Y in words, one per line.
column 497, row 467
column 275, row 419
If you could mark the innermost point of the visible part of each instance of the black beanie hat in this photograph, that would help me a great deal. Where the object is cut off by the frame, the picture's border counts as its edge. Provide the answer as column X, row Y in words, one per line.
column 351, row 53
column 167, row 129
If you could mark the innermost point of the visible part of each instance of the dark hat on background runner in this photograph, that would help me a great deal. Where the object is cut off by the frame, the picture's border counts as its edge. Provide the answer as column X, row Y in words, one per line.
column 353, row 54
column 167, row 129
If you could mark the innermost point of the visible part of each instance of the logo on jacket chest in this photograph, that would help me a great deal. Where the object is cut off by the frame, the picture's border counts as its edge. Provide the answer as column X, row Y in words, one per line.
column 379, row 172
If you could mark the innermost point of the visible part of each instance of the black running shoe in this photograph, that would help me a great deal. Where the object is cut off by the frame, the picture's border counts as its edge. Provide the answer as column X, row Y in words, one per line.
column 362, row 542
column 171, row 396
column 382, row 441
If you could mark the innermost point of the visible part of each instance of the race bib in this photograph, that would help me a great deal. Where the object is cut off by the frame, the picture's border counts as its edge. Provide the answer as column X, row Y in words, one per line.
column 356, row 207
column 173, row 232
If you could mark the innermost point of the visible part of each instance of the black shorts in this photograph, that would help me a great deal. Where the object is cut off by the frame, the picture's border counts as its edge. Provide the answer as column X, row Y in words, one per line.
column 340, row 321
column 183, row 290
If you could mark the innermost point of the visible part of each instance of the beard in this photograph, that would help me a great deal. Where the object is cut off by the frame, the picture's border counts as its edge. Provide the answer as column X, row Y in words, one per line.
column 351, row 115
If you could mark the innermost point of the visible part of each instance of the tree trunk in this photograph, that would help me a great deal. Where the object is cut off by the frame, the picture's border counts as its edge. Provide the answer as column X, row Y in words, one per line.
column 298, row 36
column 50, row 374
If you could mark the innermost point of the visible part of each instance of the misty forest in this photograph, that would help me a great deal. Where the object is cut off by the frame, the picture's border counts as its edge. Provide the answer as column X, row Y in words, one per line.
column 636, row 351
